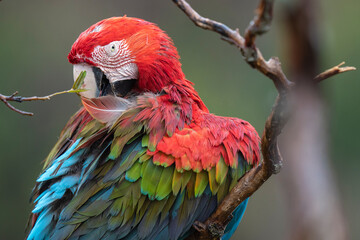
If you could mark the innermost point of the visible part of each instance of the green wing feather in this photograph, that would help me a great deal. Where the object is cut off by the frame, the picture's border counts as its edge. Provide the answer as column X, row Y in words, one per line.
column 125, row 187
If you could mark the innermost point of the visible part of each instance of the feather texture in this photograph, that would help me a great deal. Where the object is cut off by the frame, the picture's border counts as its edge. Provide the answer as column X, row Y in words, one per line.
column 145, row 167
column 112, row 181
column 106, row 109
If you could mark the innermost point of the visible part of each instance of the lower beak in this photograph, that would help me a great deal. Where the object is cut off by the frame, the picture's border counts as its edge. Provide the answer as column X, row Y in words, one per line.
column 96, row 83
column 102, row 83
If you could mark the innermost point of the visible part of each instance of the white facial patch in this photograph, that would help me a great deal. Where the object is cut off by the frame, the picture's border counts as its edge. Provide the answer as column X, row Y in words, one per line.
column 89, row 80
column 116, row 61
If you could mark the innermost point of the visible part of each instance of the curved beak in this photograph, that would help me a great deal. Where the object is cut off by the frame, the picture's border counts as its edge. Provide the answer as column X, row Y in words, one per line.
column 89, row 82
column 97, row 84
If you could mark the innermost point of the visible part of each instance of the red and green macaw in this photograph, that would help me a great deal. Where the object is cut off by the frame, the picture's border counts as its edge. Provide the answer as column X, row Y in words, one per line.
column 143, row 158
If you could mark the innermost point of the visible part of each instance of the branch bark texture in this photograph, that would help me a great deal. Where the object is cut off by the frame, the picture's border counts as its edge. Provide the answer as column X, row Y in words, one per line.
column 215, row 225
column 333, row 71
column 14, row 98
column 76, row 88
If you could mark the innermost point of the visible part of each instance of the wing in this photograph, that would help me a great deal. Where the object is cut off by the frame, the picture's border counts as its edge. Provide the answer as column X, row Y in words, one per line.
column 150, row 176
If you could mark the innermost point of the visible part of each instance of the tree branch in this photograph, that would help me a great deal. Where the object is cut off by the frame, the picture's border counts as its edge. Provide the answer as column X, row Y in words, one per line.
column 19, row 99
column 6, row 99
column 214, row 226
column 260, row 24
column 76, row 88
column 332, row 72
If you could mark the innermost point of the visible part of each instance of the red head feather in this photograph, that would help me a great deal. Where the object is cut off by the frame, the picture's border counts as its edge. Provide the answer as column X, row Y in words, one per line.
column 150, row 48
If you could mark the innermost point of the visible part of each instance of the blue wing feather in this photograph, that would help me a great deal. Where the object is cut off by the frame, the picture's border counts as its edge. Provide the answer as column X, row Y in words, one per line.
column 233, row 224
column 75, row 199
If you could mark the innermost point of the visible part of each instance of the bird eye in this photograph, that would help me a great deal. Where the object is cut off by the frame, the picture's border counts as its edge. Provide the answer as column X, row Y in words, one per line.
column 112, row 49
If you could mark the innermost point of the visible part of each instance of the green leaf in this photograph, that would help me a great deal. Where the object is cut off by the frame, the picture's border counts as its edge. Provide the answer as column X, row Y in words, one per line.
column 79, row 81
column 76, row 90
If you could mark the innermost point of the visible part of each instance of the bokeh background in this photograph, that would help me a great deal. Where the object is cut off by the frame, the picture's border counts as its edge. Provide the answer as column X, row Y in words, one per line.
column 36, row 36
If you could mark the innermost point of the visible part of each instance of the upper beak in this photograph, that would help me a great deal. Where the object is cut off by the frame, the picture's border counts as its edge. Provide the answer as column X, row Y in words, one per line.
column 97, row 84
column 89, row 82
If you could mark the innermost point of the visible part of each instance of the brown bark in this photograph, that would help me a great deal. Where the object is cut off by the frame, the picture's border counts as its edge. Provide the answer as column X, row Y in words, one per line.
column 214, row 226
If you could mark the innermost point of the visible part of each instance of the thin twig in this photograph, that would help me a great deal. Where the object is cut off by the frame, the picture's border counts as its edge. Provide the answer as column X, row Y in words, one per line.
column 6, row 99
column 260, row 24
column 19, row 99
column 227, row 33
column 332, row 72
column 76, row 88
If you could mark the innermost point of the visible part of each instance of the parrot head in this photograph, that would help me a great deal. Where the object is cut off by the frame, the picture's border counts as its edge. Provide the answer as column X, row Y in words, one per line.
column 123, row 55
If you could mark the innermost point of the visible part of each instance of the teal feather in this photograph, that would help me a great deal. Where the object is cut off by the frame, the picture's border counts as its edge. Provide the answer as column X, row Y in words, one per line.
column 127, row 197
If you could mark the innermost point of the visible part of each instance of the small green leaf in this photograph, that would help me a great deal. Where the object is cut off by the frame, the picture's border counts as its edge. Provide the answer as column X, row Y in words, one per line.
column 79, row 81
column 76, row 90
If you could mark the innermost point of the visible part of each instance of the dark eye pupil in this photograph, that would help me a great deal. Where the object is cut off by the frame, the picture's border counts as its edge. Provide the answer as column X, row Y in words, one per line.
column 113, row 47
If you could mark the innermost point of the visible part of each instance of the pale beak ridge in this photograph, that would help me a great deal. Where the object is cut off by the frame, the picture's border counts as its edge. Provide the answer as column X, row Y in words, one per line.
column 89, row 84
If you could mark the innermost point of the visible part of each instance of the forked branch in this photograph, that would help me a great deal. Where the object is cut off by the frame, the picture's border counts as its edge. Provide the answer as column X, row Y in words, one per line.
column 332, row 72
column 76, row 88
column 14, row 98
column 214, row 226
column 252, row 55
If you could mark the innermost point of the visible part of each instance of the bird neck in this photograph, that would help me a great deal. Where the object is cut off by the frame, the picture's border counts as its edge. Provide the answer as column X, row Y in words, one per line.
column 183, row 93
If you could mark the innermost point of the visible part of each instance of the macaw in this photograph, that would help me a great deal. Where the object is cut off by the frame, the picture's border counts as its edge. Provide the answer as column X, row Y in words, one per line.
column 143, row 158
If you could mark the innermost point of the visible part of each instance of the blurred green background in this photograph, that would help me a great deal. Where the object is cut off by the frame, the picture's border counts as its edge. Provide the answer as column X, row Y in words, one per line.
column 36, row 36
